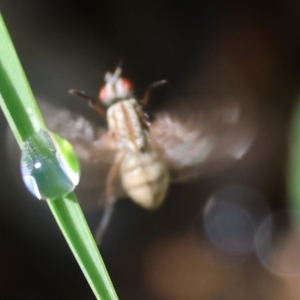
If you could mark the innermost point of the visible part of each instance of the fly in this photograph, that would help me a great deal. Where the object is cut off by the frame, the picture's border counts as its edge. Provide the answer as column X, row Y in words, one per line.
column 139, row 161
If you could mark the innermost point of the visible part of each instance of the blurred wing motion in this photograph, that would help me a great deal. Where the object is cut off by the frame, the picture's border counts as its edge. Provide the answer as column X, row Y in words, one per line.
column 90, row 141
column 93, row 146
column 203, row 140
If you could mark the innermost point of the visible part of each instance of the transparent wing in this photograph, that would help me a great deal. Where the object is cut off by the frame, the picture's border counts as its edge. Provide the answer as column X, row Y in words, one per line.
column 91, row 141
column 94, row 147
column 200, row 138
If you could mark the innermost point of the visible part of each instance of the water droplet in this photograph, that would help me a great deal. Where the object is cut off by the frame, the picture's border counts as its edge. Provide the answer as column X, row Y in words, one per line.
column 49, row 166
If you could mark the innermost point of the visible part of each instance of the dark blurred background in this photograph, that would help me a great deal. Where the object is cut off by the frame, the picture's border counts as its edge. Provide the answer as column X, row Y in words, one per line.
column 211, row 239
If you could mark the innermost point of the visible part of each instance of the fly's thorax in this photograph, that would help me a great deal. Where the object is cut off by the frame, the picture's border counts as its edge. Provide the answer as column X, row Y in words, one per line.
column 126, row 121
column 145, row 178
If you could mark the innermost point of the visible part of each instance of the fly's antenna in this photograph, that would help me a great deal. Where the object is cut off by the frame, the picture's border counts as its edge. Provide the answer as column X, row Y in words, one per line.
column 118, row 70
column 150, row 88
column 96, row 105
column 117, row 74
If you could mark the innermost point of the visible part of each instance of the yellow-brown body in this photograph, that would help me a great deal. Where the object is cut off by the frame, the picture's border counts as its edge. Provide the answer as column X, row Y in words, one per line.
column 144, row 174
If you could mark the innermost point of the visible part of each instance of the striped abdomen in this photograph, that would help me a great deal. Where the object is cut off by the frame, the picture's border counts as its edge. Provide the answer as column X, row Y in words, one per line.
column 144, row 174
column 145, row 177
column 126, row 121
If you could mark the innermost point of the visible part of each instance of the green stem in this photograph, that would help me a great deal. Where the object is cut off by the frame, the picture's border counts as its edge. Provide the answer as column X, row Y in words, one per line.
column 25, row 119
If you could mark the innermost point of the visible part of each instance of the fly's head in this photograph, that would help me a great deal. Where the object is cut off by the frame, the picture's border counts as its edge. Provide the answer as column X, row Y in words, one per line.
column 116, row 88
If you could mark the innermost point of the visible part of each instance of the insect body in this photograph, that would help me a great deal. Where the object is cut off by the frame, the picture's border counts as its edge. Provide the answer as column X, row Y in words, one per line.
column 138, row 160
column 144, row 173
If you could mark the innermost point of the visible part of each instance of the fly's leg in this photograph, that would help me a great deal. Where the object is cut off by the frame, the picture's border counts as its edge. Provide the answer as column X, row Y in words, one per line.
column 110, row 199
column 93, row 102
column 149, row 89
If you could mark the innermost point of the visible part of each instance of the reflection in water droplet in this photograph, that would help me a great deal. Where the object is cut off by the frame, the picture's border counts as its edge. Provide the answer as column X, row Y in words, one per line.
column 277, row 244
column 232, row 217
column 49, row 166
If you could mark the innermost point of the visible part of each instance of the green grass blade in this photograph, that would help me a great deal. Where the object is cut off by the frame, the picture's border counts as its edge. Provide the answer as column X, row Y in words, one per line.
column 25, row 119
column 293, row 175
column 70, row 219
column 21, row 110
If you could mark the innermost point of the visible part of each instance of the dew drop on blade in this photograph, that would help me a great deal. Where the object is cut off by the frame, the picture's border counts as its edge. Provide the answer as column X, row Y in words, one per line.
column 49, row 166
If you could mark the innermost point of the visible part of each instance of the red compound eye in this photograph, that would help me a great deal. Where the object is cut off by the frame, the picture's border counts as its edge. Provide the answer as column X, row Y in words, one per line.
column 112, row 91
column 127, row 85
column 103, row 94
